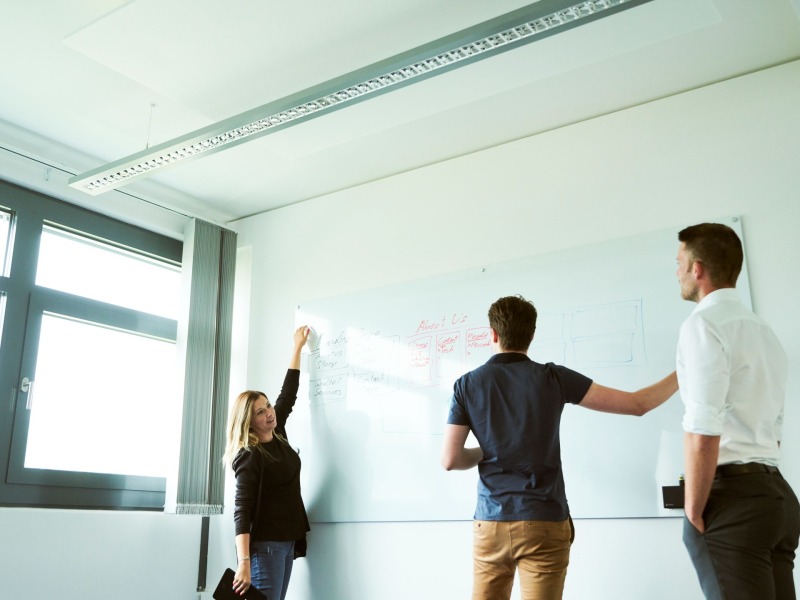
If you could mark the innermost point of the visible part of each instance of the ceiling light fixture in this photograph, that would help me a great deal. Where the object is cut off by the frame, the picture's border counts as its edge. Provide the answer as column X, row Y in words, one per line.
column 512, row 30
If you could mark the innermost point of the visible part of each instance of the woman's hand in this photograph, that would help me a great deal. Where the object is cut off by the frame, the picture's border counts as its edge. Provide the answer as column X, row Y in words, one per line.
column 301, row 336
column 241, row 581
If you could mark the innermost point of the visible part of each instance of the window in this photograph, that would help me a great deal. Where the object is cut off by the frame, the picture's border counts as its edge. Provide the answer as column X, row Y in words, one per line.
column 5, row 235
column 2, row 312
column 89, row 354
column 97, row 387
column 79, row 265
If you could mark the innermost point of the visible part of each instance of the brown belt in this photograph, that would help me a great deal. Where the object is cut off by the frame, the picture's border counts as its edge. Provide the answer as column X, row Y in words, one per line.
column 731, row 470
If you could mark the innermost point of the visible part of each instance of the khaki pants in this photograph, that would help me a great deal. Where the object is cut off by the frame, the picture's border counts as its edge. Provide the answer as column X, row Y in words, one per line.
column 539, row 548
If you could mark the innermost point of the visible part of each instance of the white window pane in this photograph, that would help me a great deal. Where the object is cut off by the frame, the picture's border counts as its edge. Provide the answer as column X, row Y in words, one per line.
column 2, row 312
column 104, row 401
column 85, row 267
column 5, row 235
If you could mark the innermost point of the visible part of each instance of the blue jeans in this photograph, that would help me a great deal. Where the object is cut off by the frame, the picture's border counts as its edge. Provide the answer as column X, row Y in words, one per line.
column 271, row 567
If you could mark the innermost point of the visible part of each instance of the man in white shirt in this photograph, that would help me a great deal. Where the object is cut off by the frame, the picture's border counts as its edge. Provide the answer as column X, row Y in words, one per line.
column 742, row 518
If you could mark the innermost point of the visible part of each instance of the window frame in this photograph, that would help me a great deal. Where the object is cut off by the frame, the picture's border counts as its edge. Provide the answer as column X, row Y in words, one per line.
column 25, row 301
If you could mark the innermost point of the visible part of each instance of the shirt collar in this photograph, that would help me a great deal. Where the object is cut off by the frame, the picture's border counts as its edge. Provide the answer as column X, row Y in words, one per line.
column 505, row 358
column 717, row 296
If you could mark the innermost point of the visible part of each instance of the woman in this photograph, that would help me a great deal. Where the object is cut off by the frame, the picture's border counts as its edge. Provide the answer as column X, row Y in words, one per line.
column 269, row 516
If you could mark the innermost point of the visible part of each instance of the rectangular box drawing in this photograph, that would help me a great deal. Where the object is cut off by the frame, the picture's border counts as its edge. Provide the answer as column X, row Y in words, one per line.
column 328, row 389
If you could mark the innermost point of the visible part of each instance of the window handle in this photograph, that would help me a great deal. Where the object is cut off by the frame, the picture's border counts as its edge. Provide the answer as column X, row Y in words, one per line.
column 26, row 386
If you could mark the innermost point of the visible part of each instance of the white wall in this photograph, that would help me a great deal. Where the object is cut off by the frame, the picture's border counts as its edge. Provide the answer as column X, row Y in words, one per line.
column 93, row 555
column 727, row 149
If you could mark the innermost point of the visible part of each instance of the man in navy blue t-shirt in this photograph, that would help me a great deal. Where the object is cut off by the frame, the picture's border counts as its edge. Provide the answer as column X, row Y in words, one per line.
column 513, row 406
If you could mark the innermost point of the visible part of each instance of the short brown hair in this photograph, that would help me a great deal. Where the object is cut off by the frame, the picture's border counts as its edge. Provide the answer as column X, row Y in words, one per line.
column 514, row 320
column 719, row 249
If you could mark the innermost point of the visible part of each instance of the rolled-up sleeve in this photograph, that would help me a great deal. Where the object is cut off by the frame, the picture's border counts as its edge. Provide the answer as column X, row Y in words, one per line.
column 779, row 426
column 703, row 366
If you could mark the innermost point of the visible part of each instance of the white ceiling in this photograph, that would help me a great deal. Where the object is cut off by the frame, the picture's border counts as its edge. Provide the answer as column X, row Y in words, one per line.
column 78, row 81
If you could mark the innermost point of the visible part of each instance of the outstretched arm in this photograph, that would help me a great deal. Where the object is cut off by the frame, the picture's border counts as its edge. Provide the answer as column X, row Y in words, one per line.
column 636, row 403
column 286, row 399
column 454, row 454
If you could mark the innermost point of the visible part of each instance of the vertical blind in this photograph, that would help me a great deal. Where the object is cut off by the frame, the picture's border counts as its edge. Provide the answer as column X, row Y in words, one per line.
column 204, row 340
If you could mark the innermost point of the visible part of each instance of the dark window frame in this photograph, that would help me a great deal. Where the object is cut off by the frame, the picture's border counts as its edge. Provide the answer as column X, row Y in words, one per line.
column 31, row 212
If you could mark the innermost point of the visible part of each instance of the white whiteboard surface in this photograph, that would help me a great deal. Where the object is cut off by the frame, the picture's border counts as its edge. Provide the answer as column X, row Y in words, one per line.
column 380, row 366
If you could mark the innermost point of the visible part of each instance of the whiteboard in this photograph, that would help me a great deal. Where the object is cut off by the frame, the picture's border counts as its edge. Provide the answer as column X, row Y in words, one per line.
column 380, row 367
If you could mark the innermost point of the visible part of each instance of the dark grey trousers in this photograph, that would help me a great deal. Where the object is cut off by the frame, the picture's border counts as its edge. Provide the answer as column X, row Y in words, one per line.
column 752, row 528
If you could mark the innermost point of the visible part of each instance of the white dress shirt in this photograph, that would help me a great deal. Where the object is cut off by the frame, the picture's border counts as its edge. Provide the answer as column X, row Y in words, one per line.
column 732, row 376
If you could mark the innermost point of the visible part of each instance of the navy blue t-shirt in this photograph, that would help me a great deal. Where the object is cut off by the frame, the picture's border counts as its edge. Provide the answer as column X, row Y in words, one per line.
column 513, row 406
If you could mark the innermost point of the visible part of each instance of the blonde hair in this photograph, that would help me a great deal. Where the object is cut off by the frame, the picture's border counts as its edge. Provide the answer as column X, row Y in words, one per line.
column 239, row 433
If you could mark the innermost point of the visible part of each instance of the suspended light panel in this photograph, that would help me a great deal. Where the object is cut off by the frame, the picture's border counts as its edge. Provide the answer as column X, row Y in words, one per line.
column 512, row 30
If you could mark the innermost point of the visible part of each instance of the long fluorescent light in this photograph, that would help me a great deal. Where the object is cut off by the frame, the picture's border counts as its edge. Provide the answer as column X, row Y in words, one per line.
column 512, row 30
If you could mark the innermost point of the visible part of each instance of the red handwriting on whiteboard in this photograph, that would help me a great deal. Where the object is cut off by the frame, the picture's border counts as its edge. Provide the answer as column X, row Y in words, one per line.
column 445, row 321
column 446, row 344
column 478, row 339
column 426, row 325
column 420, row 353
